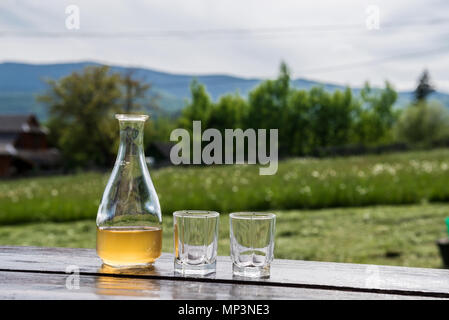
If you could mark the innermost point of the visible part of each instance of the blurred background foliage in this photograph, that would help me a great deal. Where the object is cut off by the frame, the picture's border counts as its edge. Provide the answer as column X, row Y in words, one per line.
column 392, row 204
column 82, row 107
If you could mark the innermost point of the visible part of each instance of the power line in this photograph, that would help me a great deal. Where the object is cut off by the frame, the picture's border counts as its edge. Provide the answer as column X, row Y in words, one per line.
column 381, row 60
column 440, row 50
column 251, row 32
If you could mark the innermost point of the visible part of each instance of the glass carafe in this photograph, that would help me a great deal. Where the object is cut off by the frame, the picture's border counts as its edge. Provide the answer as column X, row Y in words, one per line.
column 129, row 220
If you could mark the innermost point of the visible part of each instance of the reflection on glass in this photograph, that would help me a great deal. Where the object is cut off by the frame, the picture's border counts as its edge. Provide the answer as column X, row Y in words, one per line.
column 195, row 241
column 129, row 220
column 252, row 243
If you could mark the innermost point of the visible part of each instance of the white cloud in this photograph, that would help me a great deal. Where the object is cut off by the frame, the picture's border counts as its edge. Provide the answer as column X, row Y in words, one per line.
column 243, row 38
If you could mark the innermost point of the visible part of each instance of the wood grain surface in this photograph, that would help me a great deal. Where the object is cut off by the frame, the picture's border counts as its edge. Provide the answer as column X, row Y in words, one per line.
column 41, row 273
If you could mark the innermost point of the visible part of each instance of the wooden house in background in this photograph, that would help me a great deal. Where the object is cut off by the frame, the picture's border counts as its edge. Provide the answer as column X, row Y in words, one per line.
column 24, row 146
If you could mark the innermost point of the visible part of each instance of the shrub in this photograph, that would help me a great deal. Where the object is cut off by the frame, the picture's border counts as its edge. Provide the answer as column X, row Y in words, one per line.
column 423, row 124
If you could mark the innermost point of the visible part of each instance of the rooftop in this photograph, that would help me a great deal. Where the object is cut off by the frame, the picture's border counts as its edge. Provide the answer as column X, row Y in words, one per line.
column 20, row 123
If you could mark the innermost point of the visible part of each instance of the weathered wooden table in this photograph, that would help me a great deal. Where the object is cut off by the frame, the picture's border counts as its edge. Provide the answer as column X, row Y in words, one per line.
column 68, row 273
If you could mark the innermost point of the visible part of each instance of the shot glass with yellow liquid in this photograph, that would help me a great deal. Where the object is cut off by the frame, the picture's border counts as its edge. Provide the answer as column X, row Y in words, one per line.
column 129, row 220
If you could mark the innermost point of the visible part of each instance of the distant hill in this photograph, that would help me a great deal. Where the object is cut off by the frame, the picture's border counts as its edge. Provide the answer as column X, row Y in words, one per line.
column 20, row 83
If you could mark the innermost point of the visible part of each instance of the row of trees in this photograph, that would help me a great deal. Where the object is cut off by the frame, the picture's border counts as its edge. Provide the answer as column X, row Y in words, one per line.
column 306, row 119
column 82, row 107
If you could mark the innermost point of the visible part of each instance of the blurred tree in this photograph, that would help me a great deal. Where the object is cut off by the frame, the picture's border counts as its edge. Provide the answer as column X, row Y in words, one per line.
column 135, row 92
column 424, row 88
column 331, row 117
column 199, row 108
column 81, row 113
column 376, row 116
column 268, row 104
column 342, row 110
column 158, row 129
column 229, row 112
column 297, row 123
column 268, row 100
column 422, row 124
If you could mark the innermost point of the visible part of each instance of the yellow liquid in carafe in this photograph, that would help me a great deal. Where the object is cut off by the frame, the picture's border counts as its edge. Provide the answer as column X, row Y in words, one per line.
column 128, row 246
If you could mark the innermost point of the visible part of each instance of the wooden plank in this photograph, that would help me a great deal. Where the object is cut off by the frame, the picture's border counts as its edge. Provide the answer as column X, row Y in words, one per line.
column 25, row 285
column 285, row 273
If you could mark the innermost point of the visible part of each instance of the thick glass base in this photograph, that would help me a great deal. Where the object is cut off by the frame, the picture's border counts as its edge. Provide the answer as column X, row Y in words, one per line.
column 188, row 269
column 251, row 272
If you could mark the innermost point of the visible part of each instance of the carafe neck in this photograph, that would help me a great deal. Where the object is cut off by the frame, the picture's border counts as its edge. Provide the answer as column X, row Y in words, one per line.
column 131, row 139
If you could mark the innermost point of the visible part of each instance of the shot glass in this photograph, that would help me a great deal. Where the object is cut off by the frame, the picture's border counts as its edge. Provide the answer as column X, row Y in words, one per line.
column 195, row 241
column 252, row 243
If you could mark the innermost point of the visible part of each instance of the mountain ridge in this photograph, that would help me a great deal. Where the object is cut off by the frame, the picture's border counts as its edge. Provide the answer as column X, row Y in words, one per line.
column 21, row 82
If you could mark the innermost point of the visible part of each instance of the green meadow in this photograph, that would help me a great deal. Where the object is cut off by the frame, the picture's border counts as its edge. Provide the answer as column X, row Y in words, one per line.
column 382, row 209
column 387, row 235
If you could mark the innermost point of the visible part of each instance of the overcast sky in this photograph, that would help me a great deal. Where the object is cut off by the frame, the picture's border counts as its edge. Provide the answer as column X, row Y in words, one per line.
column 324, row 40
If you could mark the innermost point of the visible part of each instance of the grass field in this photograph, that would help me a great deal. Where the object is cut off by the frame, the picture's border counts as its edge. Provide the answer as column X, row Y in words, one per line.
column 403, row 178
column 388, row 235
column 387, row 209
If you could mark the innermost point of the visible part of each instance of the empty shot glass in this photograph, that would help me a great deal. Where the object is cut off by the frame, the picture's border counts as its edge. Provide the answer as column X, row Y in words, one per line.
column 252, row 243
column 195, row 241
